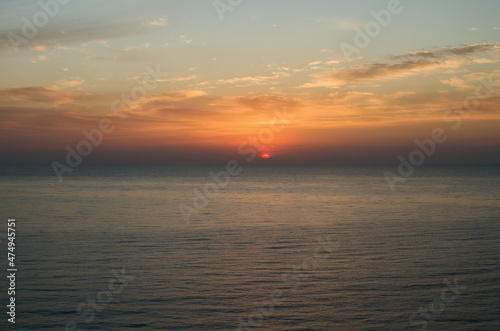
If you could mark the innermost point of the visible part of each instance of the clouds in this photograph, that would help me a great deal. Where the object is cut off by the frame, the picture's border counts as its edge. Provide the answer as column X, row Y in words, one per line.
column 225, row 80
column 173, row 96
column 200, row 120
column 407, row 64
column 457, row 83
column 162, row 21
column 253, row 80
column 40, row 58
column 45, row 95
column 65, row 83
column 448, row 52
column 54, row 36
column 267, row 102
column 376, row 71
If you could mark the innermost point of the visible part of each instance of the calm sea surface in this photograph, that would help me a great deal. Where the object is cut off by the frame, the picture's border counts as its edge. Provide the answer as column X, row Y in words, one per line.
column 278, row 248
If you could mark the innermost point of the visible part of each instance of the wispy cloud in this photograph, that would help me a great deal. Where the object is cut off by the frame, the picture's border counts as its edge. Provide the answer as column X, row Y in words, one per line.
column 82, row 33
column 39, row 48
column 257, row 80
column 410, row 63
column 183, row 79
column 65, row 83
column 132, row 48
column 457, row 83
column 371, row 72
column 185, row 39
column 162, row 21
column 40, row 58
column 266, row 102
column 162, row 98
column 44, row 95
column 449, row 51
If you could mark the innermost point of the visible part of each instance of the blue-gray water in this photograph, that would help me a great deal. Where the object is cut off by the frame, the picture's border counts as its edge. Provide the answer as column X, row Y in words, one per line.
column 331, row 248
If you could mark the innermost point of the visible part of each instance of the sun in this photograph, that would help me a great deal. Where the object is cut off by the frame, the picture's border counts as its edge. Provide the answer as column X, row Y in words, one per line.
column 265, row 156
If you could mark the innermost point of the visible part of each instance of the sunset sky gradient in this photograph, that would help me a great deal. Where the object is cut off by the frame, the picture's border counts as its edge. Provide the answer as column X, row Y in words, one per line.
column 226, row 79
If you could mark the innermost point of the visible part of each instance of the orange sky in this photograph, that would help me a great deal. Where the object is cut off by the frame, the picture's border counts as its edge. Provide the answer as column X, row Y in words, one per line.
column 198, row 91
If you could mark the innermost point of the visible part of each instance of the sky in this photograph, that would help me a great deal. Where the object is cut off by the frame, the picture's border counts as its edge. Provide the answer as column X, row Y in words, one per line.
column 265, row 82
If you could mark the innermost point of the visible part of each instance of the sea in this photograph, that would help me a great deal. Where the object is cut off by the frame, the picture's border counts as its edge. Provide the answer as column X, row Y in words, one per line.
column 161, row 247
